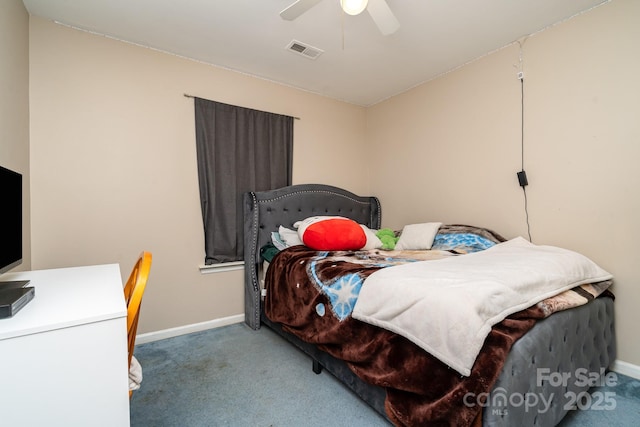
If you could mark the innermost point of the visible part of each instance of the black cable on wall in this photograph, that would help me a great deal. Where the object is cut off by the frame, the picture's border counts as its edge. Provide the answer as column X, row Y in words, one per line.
column 522, row 175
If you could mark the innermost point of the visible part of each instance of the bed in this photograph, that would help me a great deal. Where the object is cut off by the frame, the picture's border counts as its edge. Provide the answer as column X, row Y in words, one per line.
column 521, row 360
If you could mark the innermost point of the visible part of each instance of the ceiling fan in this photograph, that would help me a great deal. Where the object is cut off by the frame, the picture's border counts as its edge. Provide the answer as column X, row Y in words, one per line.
column 378, row 10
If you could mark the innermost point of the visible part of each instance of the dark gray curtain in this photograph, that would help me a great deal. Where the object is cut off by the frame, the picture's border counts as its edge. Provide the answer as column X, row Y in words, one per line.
column 239, row 150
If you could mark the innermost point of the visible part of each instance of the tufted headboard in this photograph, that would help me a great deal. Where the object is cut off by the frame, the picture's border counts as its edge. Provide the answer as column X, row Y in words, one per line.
column 265, row 211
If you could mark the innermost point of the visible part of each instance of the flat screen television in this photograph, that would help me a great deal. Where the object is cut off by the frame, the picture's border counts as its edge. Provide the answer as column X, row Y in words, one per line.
column 11, row 219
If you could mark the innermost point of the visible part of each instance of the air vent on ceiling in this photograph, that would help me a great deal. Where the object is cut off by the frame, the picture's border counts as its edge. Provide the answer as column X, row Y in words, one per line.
column 304, row 50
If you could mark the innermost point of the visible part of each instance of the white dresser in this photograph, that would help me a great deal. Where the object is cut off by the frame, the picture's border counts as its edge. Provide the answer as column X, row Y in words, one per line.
column 63, row 357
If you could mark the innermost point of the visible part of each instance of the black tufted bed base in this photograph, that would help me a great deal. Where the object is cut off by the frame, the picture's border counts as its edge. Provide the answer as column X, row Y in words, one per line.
column 577, row 343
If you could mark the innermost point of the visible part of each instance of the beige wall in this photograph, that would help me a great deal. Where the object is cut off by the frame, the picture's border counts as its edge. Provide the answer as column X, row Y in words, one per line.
column 114, row 162
column 14, row 104
column 456, row 148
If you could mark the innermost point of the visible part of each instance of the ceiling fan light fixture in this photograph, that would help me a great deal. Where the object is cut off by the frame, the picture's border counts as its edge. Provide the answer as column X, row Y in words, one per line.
column 353, row 7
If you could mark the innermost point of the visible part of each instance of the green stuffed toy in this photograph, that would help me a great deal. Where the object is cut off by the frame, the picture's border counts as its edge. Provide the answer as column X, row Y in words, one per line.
column 388, row 238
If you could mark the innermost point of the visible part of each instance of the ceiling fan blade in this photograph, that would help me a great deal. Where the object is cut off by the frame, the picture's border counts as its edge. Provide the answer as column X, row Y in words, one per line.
column 383, row 17
column 297, row 8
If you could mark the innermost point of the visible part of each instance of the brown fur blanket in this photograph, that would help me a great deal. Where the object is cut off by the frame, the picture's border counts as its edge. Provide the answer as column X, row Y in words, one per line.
column 311, row 294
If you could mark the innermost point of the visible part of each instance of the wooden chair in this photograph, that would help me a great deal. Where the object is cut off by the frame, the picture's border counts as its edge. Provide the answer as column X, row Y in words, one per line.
column 133, row 291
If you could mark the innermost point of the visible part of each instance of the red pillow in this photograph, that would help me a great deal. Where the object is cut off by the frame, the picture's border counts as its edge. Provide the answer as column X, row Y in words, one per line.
column 332, row 233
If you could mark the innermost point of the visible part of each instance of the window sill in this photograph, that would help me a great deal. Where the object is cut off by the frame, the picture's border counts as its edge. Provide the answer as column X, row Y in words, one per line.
column 219, row 268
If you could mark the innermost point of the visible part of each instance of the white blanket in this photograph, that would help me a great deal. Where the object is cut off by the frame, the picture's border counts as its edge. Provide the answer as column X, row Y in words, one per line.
column 135, row 374
column 448, row 306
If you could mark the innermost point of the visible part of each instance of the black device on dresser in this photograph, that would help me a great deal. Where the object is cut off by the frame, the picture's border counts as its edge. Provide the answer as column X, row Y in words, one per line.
column 14, row 295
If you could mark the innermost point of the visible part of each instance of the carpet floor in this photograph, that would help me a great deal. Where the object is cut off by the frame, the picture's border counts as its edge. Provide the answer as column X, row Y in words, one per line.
column 234, row 376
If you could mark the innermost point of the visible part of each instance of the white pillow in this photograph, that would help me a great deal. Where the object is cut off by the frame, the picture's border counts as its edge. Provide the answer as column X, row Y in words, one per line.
column 417, row 236
column 289, row 237
column 277, row 241
column 373, row 242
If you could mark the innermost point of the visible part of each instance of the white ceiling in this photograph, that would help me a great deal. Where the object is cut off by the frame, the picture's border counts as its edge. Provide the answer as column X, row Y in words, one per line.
column 359, row 65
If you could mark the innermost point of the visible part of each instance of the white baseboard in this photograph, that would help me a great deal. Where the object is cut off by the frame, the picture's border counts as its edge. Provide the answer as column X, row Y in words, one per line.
column 187, row 329
column 626, row 368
